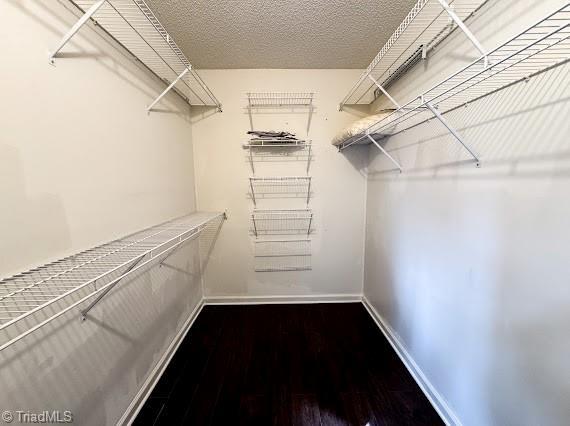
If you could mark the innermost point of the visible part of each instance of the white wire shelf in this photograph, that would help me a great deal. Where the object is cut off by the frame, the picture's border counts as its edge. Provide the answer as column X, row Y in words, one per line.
column 279, row 99
column 264, row 102
column 281, row 222
column 423, row 28
column 282, row 255
column 32, row 299
column 280, row 187
column 133, row 25
column 277, row 150
column 536, row 49
column 276, row 143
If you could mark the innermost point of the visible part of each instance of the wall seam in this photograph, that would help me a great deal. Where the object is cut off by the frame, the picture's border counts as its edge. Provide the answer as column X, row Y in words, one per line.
column 365, row 224
column 435, row 398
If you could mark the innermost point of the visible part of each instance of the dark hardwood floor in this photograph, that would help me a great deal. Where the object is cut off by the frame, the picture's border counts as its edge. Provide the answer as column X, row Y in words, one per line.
column 310, row 364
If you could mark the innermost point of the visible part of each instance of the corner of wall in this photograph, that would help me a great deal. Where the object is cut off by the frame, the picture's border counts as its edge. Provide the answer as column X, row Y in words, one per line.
column 434, row 397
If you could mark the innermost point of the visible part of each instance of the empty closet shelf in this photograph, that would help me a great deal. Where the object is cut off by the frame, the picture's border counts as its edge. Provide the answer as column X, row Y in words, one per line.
column 133, row 25
column 282, row 255
column 423, row 28
column 279, row 99
column 32, row 299
column 281, row 222
column 259, row 151
column 280, row 187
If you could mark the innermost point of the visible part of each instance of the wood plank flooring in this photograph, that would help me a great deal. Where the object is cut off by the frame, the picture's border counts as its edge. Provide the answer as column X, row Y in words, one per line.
column 306, row 364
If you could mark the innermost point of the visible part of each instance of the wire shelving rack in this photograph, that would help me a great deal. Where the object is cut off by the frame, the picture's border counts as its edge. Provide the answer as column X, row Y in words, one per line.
column 424, row 27
column 276, row 143
column 279, row 99
column 280, row 187
column 264, row 150
column 32, row 299
column 281, row 222
column 539, row 47
column 283, row 255
column 134, row 26
column 292, row 101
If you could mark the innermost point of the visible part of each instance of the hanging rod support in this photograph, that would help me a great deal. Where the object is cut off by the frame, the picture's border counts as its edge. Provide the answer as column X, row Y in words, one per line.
column 169, row 252
column 457, row 136
column 196, row 233
column 396, row 104
column 466, row 30
column 170, row 86
column 108, row 289
column 385, row 152
column 90, row 12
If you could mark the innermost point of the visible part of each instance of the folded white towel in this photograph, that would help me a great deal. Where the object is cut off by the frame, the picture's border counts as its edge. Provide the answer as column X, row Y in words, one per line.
column 358, row 127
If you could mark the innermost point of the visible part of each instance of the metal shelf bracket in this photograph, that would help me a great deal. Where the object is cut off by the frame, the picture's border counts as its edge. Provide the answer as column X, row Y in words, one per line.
column 465, row 30
column 385, row 152
column 170, row 86
column 85, row 311
column 456, row 135
column 76, row 27
column 396, row 104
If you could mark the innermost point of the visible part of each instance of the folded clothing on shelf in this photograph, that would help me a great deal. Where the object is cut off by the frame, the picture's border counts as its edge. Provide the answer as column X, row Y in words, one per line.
column 272, row 136
column 358, row 128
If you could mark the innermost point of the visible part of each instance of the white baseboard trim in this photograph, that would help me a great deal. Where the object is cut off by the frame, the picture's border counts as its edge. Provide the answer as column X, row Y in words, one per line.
column 142, row 395
column 434, row 397
column 268, row 300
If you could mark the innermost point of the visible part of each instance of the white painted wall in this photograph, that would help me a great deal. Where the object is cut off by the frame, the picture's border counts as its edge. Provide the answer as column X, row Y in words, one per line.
column 469, row 266
column 338, row 184
column 81, row 163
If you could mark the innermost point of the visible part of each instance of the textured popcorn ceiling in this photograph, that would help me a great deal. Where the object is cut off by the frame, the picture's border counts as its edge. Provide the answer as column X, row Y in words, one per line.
column 280, row 34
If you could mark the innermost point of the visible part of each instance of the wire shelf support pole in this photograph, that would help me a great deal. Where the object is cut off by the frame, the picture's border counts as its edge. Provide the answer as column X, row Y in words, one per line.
column 396, row 104
column 465, row 30
column 76, row 27
column 385, row 152
column 252, row 192
column 309, row 226
column 85, row 311
column 456, row 135
column 251, row 161
column 170, row 86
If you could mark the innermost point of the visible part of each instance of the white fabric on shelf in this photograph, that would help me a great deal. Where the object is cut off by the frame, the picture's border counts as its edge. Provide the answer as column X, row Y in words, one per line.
column 358, row 127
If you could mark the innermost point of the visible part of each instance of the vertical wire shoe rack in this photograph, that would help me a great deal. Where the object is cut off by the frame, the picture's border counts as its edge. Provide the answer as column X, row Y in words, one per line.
column 281, row 236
